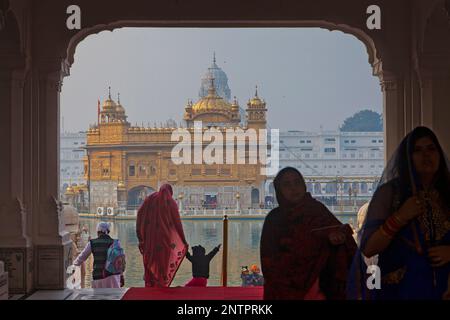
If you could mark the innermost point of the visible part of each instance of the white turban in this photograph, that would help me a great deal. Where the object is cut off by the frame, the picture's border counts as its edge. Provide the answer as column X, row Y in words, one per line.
column 103, row 227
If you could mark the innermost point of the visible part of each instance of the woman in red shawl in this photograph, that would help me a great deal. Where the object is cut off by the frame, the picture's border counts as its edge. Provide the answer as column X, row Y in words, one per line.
column 161, row 237
column 305, row 251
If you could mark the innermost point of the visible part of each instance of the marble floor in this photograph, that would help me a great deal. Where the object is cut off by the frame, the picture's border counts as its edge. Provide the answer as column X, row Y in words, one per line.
column 82, row 294
column 175, row 293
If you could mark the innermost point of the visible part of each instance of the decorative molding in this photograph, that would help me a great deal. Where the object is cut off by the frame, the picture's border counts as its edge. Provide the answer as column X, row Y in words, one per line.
column 13, row 223
column 56, row 85
column 53, row 71
column 50, row 219
column 19, row 265
column 377, row 68
column 56, row 206
column 388, row 85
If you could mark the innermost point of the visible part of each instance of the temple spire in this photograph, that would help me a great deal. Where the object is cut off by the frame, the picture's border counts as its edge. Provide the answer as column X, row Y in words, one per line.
column 109, row 93
column 212, row 88
column 118, row 97
column 256, row 91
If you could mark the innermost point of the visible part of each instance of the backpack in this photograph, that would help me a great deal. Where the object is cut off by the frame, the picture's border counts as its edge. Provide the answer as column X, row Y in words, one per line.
column 115, row 259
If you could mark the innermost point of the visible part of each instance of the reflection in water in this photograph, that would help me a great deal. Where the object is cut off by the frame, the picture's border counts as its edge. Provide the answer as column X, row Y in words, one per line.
column 243, row 248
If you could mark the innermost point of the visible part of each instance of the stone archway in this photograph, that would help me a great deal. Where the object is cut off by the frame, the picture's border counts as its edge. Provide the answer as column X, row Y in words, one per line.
column 51, row 80
column 137, row 195
column 31, row 79
column 255, row 197
column 271, row 189
column 388, row 79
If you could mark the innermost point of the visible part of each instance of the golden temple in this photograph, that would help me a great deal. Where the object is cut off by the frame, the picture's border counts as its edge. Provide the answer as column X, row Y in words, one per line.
column 125, row 163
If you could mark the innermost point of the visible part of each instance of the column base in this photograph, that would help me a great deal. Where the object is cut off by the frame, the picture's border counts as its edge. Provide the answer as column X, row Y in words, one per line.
column 19, row 265
column 51, row 265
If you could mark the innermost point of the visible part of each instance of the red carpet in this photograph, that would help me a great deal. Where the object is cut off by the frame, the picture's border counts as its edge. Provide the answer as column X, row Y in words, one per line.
column 195, row 293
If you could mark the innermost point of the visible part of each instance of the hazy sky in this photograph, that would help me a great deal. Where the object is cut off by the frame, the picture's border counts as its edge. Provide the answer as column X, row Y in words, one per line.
column 308, row 77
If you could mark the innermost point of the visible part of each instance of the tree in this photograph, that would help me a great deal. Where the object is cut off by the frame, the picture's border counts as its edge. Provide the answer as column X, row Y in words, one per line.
column 363, row 121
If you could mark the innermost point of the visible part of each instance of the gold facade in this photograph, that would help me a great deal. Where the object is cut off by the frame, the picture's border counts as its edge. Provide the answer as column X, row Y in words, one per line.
column 123, row 161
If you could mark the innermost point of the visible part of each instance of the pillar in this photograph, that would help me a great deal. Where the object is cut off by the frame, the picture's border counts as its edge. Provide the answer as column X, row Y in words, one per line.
column 15, row 244
column 52, row 243
column 393, row 111
column 435, row 96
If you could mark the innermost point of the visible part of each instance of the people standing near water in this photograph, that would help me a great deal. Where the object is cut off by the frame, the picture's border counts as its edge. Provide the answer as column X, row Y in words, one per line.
column 246, row 277
column 161, row 237
column 256, row 278
column 99, row 249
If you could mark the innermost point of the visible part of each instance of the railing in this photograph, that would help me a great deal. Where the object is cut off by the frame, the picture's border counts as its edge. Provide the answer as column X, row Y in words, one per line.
column 198, row 212
column 223, row 212
column 337, row 209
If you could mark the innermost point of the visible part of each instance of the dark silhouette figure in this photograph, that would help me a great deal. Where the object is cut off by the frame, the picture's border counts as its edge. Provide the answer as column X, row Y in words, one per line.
column 200, row 265
column 304, row 238
column 406, row 231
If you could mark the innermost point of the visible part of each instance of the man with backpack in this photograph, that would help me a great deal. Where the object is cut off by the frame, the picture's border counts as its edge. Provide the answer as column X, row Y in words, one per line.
column 109, row 259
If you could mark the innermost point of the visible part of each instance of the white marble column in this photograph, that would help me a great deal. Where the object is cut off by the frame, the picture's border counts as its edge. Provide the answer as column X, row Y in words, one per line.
column 393, row 112
column 52, row 243
column 435, row 93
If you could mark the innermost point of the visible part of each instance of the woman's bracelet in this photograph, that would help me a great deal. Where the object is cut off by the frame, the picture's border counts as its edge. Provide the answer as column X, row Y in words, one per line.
column 392, row 226
column 385, row 233
column 399, row 220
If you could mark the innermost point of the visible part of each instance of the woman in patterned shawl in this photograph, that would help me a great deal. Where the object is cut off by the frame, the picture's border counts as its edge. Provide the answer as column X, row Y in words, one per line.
column 305, row 251
column 161, row 237
column 406, row 233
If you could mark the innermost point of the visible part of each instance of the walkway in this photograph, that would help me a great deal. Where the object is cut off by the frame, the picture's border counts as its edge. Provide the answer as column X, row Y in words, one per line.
column 173, row 293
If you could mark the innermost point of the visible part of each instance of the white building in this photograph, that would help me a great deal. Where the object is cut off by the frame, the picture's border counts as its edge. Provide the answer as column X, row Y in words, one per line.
column 333, row 162
column 333, row 153
column 72, row 153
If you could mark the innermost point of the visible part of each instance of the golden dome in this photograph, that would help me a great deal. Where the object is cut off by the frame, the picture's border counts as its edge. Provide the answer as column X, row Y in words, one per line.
column 119, row 107
column 211, row 102
column 255, row 101
column 109, row 105
column 69, row 190
column 121, row 185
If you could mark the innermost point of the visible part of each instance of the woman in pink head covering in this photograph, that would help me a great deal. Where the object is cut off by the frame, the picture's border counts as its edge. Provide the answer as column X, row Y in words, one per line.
column 161, row 237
